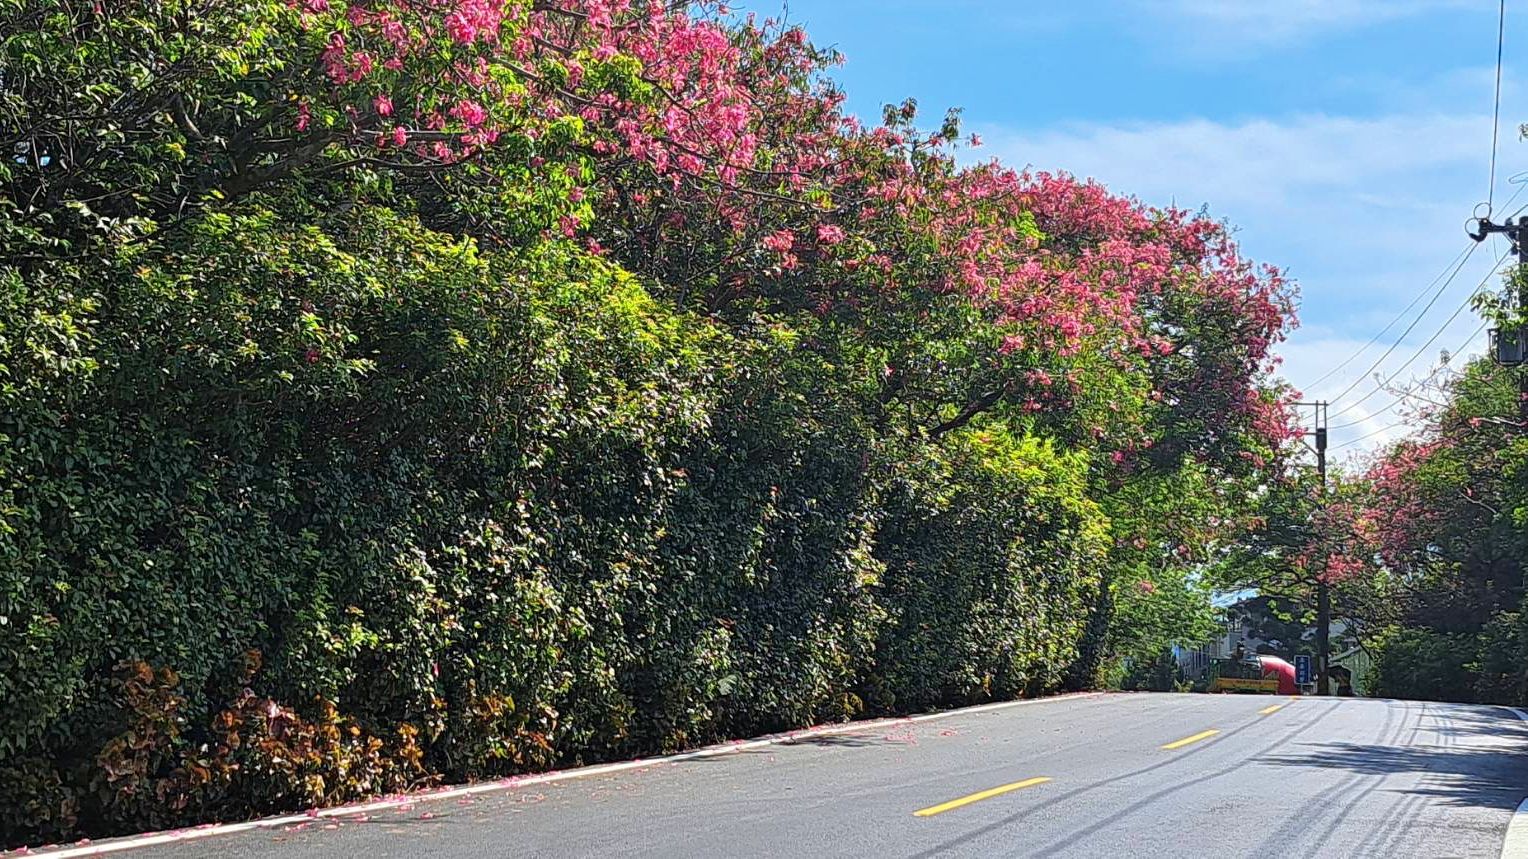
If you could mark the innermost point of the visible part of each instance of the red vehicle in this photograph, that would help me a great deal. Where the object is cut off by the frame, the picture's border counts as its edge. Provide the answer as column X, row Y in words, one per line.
column 1265, row 674
column 1274, row 667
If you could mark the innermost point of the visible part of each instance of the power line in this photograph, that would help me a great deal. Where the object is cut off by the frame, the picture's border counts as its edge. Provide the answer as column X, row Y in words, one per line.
column 1398, row 317
column 1367, row 436
column 1423, row 348
column 1518, row 180
column 1404, row 397
column 1393, row 346
column 1501, row 29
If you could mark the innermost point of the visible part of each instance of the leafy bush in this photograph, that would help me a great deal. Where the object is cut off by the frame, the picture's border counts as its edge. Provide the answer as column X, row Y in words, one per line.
column 374, row 413
column 1161, row 673
column 1424, row 665
column 990, row 548
column 309, row 507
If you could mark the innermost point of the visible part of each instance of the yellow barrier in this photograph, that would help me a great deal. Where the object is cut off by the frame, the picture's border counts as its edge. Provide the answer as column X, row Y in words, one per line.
column 1237, row 684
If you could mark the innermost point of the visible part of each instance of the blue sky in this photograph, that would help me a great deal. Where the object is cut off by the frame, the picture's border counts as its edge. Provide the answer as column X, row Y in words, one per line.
column 1348, row 140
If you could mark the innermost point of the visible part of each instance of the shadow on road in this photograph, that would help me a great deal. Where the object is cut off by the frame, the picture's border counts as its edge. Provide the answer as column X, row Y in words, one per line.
column 1487, row 723
column 1477, row 759
column 831, row 741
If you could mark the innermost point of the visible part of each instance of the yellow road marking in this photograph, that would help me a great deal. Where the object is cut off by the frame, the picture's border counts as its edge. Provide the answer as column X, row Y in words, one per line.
column 1273, row 709
column 1202, row 735
column 978, row 797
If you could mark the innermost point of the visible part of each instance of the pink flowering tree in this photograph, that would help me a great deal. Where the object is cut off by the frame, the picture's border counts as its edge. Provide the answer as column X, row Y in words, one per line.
column 1447, row 506
column 709, row 154
column 512, row 101
column 546, row 379
column 1128, row 329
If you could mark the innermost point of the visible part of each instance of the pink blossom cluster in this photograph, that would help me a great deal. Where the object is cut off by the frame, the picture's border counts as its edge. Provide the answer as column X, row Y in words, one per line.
column 706, row 91
column 736, row 120
column 1344, row 540
column 1402, row 513
column 1102, row 257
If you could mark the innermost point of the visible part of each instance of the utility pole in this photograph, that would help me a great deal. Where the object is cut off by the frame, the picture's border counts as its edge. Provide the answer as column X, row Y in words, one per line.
column 1323, row 589
column 1509, row 345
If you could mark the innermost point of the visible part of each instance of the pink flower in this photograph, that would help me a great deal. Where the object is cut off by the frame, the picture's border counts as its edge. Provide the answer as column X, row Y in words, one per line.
column 400, row 136
column 394, row 31
column 780, row 241
column 383, row 104
column 474, row 20
column 304, row 116
column 830, row 234
column 470, row 113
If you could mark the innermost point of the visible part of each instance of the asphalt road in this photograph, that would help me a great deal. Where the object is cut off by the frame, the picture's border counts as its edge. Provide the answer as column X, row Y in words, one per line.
column 1098, row 776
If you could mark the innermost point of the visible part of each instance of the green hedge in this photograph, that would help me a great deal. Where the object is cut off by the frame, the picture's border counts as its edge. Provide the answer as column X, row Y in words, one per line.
column 302, row 505
column 1488, row 666
column 991, row 553
column 1424, row 665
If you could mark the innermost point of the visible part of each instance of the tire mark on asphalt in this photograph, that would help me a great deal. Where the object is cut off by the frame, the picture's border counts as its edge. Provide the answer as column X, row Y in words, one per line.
column 1375, row 779
column 1447, row 738
column 1147, row 801
column 1059, row 798
column 1402, row 808
column 1297, row 828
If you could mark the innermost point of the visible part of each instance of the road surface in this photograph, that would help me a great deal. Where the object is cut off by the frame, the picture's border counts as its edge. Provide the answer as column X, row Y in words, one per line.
column 1105, row 775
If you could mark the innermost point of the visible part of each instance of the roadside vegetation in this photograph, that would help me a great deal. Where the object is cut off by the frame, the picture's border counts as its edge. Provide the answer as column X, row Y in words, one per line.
column 1433, row 569
column 406, row 391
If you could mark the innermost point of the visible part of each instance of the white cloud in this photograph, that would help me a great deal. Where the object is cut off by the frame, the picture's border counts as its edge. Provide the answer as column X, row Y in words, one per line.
column 1259, row 162
column 1267, row 21
column 1364, row 213
column 1308, row 12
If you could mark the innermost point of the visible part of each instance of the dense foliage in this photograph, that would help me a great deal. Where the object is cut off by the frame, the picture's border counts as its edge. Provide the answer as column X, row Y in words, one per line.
column 1446, row 527
column 398, row 391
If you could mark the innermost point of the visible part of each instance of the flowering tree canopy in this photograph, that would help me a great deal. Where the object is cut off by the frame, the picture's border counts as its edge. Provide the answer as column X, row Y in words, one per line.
column 398, row 390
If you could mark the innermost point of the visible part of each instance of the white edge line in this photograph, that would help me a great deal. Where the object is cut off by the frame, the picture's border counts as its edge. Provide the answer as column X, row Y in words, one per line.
column 1515, row 844
column 175, row 836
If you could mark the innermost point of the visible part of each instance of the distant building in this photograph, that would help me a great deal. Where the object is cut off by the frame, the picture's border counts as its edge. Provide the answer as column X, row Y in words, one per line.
column 1255, row 622
column 1359, row 663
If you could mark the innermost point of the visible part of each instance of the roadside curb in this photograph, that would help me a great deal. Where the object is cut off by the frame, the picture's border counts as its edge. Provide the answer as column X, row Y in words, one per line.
column 392, row 801
column 1514, row 844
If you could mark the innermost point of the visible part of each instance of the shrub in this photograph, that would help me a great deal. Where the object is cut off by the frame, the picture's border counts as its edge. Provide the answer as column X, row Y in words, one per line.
column 990, row 549
column 1424, row 665
column 311, row 506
